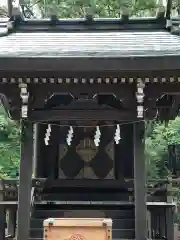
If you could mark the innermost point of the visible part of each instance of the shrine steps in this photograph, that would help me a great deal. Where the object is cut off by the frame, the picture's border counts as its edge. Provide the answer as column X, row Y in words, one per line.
column 122, row 233
column 84, row 194
column 123, row 218
column 87, row 196
column 37, row 223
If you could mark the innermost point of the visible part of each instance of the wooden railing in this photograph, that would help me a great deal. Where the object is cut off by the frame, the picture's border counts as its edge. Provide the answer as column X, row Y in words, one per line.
column 158, row 191
column 176, row 232
column 9, row 195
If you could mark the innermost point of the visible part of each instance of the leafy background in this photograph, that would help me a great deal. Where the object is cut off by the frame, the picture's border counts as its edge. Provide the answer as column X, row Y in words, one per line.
column 99, row 8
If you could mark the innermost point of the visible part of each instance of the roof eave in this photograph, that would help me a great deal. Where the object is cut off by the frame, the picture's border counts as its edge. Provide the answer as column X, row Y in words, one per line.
column 89, row 64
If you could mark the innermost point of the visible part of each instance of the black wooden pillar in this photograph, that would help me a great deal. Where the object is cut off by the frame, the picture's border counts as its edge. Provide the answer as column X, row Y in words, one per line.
column 52, row 160
column 140, row 182
column 2, row 213
column 39, row 150
column 2, row 222
column 170, row 223
column 35, row 149
column 25, row 176
column 170, row 212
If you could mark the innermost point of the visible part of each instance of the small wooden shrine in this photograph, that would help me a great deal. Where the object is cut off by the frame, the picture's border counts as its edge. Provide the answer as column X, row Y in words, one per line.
column 82, row 90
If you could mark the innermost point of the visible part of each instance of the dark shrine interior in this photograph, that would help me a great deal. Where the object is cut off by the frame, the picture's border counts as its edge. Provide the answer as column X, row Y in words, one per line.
column 83, row 163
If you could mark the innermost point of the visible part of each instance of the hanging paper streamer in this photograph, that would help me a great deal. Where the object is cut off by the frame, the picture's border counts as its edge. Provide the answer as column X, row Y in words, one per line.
column 97, row 136
column 117, row 136
column 140, row 111
column 47, row 135
column 70, row 136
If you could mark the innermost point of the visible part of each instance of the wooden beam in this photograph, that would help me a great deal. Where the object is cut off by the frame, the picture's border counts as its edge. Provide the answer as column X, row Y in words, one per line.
column 25, row 180
column 59, row 115
column 91, row 64
column 155, row 89
column 170, row 223
column 85, row 183
column 2, row 213
column 35, row 149
column 76, row 89
column 140, row 182
column 120, row 90
column 39, row 150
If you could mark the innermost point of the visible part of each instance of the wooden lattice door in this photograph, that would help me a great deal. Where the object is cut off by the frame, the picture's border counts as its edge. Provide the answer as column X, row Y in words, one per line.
column 83, row 160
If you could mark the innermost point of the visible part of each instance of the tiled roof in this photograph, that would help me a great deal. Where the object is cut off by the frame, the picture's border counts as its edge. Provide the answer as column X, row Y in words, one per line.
column 89, row 44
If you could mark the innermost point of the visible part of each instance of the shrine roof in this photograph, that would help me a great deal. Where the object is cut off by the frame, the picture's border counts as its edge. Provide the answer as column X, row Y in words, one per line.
column 89, row 44
column 76, row 45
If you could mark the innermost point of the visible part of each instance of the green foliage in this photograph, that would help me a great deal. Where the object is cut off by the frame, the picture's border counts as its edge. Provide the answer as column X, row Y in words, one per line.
column 156, row 151
column 172, row 133
column 3, row 12
column 100, row 8
column 9, row 145
column 158, row 137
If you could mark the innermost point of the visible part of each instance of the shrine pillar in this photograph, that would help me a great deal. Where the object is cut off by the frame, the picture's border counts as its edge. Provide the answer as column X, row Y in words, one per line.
column 39, row 147
column 35, row 149
column 25, row 180
column 140, row 182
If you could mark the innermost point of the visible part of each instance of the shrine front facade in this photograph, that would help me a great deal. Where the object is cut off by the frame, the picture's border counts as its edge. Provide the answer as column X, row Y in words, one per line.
column 82, row 93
